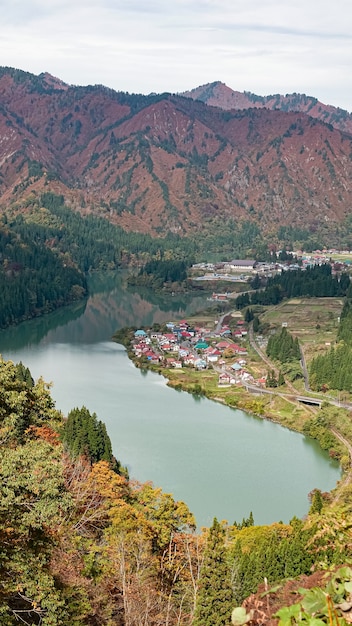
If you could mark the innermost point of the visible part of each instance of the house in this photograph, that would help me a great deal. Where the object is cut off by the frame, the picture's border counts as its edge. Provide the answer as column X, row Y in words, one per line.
column 201, row 345
column 224, row 379
column 140, row 333
column 166, row 347
column 149, row 354
column 220, row 297
column 200, row 364
column 170, row 337
column 222, row 345
column 213, row 356
column 242, row 351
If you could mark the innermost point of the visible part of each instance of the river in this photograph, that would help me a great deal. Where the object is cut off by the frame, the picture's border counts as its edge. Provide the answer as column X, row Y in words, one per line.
column 220, row 461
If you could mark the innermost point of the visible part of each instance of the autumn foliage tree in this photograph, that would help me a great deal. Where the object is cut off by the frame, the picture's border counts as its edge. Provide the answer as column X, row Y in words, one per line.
column 80, row 543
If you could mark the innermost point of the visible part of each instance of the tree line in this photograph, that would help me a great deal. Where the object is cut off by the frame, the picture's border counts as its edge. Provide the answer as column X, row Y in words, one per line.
column 316, row 281
column 158, row 273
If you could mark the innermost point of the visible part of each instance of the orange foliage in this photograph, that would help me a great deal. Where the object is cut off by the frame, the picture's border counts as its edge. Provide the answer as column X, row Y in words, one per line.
column 46, row 433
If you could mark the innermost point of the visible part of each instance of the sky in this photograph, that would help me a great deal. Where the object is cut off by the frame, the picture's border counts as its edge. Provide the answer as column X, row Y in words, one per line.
column 146, row 46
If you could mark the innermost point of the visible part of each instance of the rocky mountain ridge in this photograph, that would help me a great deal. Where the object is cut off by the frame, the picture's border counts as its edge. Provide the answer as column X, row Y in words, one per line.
column 220, row 95
column 168, row 163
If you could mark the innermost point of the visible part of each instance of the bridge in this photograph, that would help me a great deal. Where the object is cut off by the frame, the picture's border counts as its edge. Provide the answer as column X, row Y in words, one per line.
column 307, row 400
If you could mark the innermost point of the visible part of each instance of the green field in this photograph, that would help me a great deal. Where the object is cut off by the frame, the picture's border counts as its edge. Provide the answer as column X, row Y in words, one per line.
column 313, row 320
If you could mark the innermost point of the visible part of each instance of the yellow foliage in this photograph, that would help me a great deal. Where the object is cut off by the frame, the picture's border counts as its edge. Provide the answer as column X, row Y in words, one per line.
column 251, row 536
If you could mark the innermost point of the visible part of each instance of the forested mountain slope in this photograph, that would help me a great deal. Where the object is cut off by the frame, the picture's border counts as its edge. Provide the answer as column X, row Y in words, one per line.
column 165, row 163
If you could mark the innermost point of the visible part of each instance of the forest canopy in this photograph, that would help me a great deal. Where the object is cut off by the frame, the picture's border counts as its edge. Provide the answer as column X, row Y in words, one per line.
column 82, row 544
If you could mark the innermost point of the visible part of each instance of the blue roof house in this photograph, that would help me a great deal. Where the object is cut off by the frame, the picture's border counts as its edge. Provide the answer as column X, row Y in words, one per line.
column 140, row 333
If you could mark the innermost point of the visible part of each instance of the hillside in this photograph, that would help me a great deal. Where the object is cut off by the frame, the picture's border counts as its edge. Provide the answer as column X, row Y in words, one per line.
column 165, row 163
column 82, row 544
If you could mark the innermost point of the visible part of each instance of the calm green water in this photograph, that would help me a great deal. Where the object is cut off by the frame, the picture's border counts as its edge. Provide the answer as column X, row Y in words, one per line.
column 220, row 461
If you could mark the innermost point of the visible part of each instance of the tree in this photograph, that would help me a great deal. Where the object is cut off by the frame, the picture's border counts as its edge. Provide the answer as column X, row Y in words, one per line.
column 248, row 316
column 215, row 598
column 33, row 499
column 85, row 434
column 256, row 323
column 317, row 502
column 271, row 380
column 281, row 379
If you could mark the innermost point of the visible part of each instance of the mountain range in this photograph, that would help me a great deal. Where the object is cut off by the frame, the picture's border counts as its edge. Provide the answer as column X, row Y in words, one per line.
column 181, row 163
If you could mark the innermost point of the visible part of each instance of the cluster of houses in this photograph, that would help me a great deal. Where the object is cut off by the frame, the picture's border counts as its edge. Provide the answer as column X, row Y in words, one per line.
column 201, row 348
column 229, row 270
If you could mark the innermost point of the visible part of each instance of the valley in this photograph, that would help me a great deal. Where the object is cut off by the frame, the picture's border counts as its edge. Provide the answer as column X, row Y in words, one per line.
column 199, row 368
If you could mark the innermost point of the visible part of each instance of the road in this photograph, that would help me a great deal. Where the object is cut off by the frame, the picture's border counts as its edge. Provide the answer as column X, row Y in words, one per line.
column 347, row 479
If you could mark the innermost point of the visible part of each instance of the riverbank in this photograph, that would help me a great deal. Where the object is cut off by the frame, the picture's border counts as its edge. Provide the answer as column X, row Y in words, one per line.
column 277, row 405
column 202, row 375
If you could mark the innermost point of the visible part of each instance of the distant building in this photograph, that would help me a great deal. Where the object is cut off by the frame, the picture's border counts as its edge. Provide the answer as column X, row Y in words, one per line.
column 242, row 264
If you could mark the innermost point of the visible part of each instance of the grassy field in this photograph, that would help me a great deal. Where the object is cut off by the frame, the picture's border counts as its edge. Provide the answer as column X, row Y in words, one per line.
column 313, row 320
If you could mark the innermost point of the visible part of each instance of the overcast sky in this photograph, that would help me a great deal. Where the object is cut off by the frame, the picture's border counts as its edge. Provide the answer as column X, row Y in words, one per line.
column 144, row 46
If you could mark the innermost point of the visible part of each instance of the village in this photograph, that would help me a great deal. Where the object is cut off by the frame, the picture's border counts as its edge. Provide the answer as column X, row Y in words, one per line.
column 223, row 349
column 243, row 270
column 224, row 346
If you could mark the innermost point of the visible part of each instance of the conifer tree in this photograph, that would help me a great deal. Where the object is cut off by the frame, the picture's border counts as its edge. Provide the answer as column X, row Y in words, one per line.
column 215, row 598
column 24, row 374
column 317, row 502
column 85, row 435
column 256, row 323
column 281, row 379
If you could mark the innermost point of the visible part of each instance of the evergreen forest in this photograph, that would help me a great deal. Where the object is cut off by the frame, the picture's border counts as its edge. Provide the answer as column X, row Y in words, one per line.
column 332, row 370
column 283, row 347
column 316, row 281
